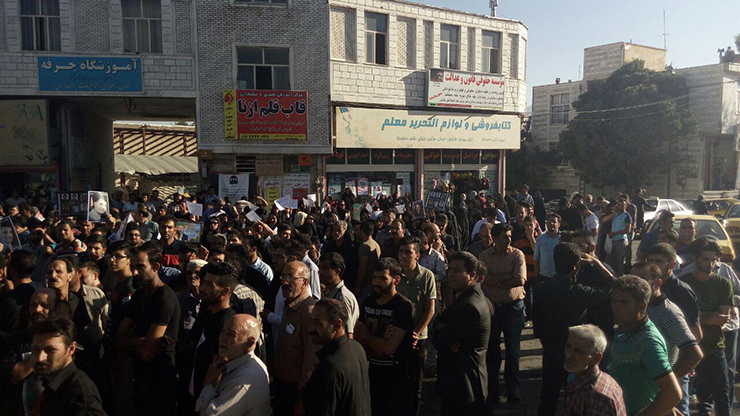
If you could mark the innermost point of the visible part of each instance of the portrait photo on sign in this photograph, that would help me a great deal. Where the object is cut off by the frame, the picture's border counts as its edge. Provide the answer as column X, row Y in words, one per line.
column 99, row 206
column 8, row 235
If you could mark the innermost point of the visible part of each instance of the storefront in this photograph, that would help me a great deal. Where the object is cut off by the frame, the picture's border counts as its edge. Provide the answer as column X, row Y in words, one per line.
column 413, row 151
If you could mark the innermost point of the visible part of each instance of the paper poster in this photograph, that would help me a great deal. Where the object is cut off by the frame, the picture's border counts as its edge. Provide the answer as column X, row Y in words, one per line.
column 194, row 208
column 351, row 184
column 252, row 216
column 234, row 186
column 72, row 204
column 376, row 188
column 287, row 202
column 437, row 200
column 363, row 186
column 386, row 189
column 335, row 185
column 119, row 234
column 8, row 235
column 356, row 210
column 403, row 179
column 308, row 203
column 296, row 185
column 401, row 208
column 271, row 188
column 99, row 206
column 252, row 207
column 189, row 230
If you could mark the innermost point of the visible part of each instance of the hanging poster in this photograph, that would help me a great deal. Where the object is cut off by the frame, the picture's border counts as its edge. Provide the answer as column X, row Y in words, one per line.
column 363, row 186
column 386, row 189
column 351, row 184
column 335, row 185
column 459, row 89
column 272, row 189
column 234, row 186
column 376, row 188
column 296, row 185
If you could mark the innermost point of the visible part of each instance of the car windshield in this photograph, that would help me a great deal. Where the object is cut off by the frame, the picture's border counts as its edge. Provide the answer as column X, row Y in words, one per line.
column 734, row 212
column 719, row 205
column 652, row 205
column 706, row 227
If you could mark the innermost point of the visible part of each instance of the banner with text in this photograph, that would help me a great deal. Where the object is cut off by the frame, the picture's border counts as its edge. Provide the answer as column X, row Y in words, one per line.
column 459, row 89
column 265, row 114
column 89, row 74
column 383, row 129
column 296, row 185
column 233, row 185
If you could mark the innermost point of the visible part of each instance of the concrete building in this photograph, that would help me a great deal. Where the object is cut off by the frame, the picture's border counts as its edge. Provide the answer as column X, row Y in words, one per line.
column 246, row 45
column 714, row 98
column 69, row 68
column 398, row 62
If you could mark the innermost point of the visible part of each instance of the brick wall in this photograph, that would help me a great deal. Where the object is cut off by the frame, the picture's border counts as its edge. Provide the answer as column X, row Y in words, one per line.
column 183, row 27
column 600, row 61
column 3, row 44
column 401, row 83
column 303, row 26
column 92, row 35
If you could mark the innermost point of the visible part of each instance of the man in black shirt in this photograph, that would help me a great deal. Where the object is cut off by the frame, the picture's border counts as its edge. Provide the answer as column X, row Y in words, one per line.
column 20, row 268
column 217, row 283
column 149, row 332
column 171, row 246
column 67, row 390
column 560, row 303
column 339, row 385
column 384, row 329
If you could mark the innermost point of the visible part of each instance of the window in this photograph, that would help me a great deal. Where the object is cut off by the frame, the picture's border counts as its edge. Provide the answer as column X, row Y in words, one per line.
column 376, row 36
column 559, row 108
column 40, row 26
column 263, row 68
column 142, row 26
column 491, row 52
column 449, row 46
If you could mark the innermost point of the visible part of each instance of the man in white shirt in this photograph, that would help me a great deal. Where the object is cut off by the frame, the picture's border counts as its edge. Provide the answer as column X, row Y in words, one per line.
column 131, row 205
column 590, row 220
column 237, row 382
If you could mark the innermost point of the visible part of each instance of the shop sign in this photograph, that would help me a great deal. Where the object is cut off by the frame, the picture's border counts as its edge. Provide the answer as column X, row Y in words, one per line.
column 381, row 128
column 296, row 185
column 404, row 157
column 304, row 160
column 89, row 74
column 337, row 158
column 451, row 156
column 460, row 89
column 23, row 133
column 265, row 115
column 432, row 157
column 489, row 156
column 437, row 200
column 470, row 156
column 268, row 167
column 382, row 156
column 358, row 156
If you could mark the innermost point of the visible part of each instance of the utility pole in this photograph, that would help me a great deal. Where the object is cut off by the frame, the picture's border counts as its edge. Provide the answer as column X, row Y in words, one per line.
column 493, row 4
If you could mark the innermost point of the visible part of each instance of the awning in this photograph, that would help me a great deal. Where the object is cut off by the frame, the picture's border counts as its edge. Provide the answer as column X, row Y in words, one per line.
column 155, row 165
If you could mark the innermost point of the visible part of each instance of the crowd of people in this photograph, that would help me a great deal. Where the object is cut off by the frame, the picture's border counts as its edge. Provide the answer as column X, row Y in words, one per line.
column 321, row 310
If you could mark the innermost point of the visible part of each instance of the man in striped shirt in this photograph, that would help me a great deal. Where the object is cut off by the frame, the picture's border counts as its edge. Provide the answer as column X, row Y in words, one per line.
column 683, row 350
column 590, row 392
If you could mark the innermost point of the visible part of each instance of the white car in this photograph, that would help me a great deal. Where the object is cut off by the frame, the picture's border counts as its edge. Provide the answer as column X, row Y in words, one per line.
column 656, row 205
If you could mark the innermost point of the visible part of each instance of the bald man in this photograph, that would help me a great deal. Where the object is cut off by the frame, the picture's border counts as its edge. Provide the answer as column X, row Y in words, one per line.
column 235, row 372
column 296, row 352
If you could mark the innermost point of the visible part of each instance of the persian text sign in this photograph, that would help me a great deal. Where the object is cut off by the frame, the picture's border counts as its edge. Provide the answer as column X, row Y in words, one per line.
column 93, row 74
column 394, row 129
column 458, row 89
column 265, row 114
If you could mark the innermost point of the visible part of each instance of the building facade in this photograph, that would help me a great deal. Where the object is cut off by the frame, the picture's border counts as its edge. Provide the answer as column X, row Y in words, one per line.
column 69, row 68
column 401, row 74
column 714, row 98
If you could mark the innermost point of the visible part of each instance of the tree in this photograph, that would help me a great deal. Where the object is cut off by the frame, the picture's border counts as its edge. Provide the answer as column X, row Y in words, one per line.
column 630, row 126
column 737, row 41
column 528, row 165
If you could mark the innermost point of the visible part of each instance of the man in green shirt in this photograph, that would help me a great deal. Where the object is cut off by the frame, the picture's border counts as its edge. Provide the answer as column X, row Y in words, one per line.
column 639, row 356
column 714, row 295
column 419, row 286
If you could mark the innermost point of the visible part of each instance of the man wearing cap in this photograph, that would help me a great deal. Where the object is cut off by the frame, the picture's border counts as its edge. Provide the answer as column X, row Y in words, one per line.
column 665, row 224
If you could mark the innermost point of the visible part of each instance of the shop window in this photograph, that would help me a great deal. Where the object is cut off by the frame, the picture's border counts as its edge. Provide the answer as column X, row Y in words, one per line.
column 263, row 68
column 40, row 25
column 142, row 26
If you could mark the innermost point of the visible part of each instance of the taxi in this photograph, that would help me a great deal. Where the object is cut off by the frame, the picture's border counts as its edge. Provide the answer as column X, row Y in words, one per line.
column 718, row 206
column 732, row 223
column 711, row 226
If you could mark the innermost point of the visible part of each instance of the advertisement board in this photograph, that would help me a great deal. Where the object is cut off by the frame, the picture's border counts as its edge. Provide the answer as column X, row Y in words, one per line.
column 23, row 133
column 265, row 115
column 89, row 74
column 460, row 89
column 379, row 128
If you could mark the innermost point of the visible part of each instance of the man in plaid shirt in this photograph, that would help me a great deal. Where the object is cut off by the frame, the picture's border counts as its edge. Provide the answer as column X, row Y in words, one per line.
column 589, row 392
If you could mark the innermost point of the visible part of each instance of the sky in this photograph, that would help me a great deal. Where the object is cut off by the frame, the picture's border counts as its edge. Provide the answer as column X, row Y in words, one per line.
column 560, row 30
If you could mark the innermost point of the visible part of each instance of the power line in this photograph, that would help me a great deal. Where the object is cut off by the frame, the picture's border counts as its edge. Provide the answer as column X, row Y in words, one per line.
column 667, row 100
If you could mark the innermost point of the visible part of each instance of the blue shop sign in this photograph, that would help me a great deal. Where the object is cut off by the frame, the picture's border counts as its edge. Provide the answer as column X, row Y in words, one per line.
column 90, row 74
